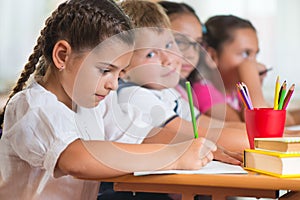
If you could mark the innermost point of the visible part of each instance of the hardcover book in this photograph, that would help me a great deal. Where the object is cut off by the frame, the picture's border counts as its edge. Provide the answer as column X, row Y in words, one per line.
column 282, row 144
column 272, row 163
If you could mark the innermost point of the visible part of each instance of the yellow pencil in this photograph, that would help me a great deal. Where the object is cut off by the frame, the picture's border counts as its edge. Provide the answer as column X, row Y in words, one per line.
column 276, row 96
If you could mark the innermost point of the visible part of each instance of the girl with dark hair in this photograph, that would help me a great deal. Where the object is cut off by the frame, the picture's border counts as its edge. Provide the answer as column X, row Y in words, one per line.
column 232, row 43
column 197, row 66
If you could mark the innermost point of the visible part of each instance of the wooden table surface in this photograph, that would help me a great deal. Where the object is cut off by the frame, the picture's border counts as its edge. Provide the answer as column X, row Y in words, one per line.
column 218, row 185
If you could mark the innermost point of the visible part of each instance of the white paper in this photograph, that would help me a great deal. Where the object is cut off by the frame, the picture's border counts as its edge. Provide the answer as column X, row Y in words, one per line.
column 293, row 128
column 214, row 167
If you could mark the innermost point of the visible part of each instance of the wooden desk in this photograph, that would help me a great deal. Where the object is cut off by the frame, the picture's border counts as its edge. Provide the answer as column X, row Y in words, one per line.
column 218, row 185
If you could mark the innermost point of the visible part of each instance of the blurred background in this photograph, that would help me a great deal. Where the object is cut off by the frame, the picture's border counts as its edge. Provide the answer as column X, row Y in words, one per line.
column 276, row 21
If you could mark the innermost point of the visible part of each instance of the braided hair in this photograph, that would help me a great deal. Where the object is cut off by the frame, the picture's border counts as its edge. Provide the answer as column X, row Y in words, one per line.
column 83, row 24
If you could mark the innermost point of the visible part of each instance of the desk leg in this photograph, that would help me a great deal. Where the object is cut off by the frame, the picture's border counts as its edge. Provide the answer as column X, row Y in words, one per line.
column 187, row 196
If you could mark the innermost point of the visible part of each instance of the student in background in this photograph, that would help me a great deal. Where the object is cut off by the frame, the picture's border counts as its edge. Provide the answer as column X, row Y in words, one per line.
column 210, row 100
column 232, row 43
column 148, row 83
column 47, row 137
column 189, row 37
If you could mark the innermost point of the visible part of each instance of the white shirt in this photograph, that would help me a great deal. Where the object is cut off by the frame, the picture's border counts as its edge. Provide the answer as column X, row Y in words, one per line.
column 37, row 128
column 156, row 106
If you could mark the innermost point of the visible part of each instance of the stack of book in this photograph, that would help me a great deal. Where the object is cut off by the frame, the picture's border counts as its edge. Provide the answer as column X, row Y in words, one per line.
column 278, row 157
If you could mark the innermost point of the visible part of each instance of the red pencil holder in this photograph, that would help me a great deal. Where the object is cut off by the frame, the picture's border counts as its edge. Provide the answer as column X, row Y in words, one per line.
column 264, row 123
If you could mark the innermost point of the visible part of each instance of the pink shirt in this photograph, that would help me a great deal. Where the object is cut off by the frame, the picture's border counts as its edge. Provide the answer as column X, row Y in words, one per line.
column 234, row 101
column 206, row 95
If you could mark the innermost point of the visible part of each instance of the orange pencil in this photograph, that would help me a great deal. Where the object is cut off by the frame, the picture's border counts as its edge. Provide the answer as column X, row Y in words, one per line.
column 243, row 96
column 288, row 97
column 240, row 95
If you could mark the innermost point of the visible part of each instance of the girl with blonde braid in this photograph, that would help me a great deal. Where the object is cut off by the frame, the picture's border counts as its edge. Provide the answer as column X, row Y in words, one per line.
column 48, row 135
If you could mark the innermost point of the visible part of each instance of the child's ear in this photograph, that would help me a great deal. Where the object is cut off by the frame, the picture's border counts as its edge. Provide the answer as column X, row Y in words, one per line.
column 61, row 53
column 123, row 74
column 213, row 54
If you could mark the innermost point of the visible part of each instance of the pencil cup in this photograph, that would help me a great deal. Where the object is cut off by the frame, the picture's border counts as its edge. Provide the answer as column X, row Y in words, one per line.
column 264, row 123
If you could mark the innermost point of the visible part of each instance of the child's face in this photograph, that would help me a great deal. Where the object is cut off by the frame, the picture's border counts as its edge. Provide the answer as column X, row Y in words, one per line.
column 96, row 73
column 191, row 30
column 233, row 53
column 156, row 61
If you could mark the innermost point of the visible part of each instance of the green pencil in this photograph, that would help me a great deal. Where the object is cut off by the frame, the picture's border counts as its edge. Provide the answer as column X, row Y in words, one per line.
column 189, row 93
column 282, row 96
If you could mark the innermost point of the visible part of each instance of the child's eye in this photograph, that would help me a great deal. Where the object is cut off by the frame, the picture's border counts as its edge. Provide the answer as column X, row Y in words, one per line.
column 150, row 55
column 104, row 70
column 245, row 54
column 169, row 45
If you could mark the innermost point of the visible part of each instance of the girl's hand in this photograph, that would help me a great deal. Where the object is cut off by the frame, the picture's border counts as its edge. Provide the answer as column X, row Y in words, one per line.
column 198, row 154
column 228, row 156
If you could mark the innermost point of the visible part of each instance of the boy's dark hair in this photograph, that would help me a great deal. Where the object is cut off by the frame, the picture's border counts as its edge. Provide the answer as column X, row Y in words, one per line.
column 174, row 9
column 220, row 29
column 83, row 24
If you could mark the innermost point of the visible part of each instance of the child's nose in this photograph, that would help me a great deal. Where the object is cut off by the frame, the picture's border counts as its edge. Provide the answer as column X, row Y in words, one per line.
column 112, row 84
column 166, row 58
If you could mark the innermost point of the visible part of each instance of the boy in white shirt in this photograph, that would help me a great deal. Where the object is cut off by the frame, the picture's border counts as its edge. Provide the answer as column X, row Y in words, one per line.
column 149, row 80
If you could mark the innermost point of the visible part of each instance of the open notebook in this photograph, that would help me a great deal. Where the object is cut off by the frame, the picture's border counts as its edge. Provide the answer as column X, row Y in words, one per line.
column 214, row 167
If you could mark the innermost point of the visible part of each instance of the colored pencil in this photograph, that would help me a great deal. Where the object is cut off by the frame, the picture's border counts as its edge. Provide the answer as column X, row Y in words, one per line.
column 244, row 97
column 190, row 97
column 279, row 95
column 264, row 71
column 276, row 96
column 282, row 96
column 240, row 95
column 247, row 92
column 288, row 96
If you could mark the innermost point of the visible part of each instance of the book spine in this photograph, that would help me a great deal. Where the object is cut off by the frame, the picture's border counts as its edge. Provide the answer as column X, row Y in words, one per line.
column 244, row 160
column 274, row 153
column 272, row 174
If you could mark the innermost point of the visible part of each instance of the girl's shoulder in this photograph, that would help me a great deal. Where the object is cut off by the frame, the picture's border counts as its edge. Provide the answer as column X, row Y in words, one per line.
column 34, row 95
column 36, row 99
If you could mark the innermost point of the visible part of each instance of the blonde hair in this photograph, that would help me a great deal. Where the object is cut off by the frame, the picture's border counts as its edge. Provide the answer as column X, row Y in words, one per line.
column 145, row 13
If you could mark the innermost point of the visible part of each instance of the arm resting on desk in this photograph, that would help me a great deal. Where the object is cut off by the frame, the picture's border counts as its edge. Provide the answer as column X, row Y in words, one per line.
column 103, row 159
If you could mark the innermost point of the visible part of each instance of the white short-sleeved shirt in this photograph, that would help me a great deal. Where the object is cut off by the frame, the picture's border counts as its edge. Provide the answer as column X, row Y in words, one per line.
column 37, row 128
column 121, row 126
column 158, row 107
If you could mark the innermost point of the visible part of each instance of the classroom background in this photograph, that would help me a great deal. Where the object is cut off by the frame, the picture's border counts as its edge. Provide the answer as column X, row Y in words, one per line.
column 276, row 22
